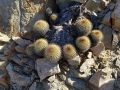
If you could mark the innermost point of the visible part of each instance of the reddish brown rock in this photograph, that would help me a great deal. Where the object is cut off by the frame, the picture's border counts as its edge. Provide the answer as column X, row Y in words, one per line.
column 97, row 49
column 116, row 16
column 102, row 80
column 20, row 49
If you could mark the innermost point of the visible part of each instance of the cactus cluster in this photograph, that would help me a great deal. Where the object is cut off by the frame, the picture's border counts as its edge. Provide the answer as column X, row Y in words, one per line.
column 53, row 52
column 41, row 27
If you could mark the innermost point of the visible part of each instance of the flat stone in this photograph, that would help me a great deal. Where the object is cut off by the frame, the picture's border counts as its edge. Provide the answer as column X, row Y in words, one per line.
column 105, row 55
column 75, row 61
column 97, row 49
column 33, row 86
column 107, row 32
column 102, row 80
column 20, row 49
column 116, row 16
column 3, row 57
column 19, row 61
column 106, row 19
column 46, row 68
column 4, row 38
column 86, row 65
column 21, row 80
column 28, row 35
column 4, row 79
column 21, row 42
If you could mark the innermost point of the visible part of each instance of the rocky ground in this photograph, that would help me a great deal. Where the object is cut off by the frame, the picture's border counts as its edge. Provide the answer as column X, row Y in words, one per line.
column 100, row 65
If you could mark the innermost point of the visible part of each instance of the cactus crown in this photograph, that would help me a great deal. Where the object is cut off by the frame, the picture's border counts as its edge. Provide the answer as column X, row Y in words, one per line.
column 69, row 51
column 53, row 16
column 96, row 35
column 40, row 24
column 84, row 23
column 83, row 43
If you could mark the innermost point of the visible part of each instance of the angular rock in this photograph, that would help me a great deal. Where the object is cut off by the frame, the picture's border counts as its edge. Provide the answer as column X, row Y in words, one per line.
column 3, row 66
column 46, row 68
column 107, row 32
column 28, row 35
column 107, row 18
column 86, row 65
column 97, row 49
column 102, row 80
column 105, row 55
column 116, row 16
column 75, row 61
column 19, row 61
column 4, row 38
column 33, row 86
column 22, row 42
column 20, row 49
column 21, row 80
column 51, row 78
column 115, row 40
column 4, row 79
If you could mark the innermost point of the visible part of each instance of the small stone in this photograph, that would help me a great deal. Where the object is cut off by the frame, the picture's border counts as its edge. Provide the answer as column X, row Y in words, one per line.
column 97, row 49
column 46, row 68
column 51, row 78
column 22, row 42
column 33, row 86
column 20, row 49
column 102, row 80
column 86, row 65
column 21, row 80
column 106, row 19
column 105, row 55
column 89, row 56
column 75, row 61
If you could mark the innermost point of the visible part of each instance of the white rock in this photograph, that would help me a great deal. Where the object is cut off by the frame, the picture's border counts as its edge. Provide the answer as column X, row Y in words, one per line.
column 86, row 65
